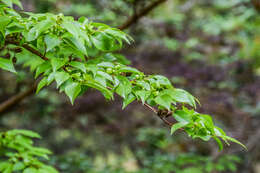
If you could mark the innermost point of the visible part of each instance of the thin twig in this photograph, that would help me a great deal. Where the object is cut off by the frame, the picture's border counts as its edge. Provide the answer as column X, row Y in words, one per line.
column 136, row 16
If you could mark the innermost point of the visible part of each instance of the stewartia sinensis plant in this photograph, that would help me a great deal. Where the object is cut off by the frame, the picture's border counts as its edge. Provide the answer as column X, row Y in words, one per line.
column 78, row 55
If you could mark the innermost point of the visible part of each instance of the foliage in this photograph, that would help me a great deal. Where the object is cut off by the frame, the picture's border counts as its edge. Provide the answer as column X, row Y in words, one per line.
column 79, row 55
column 62, row 51
column 19, row 154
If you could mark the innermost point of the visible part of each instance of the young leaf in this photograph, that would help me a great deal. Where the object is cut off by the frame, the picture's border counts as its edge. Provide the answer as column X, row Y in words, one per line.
column 72, row 90
column 7, row 64
column 79, row 65
column 57, row 63
column 177, row 126
column 27, row 133
column 61, row 77
column 51, row 41
column 41, row 84
column 220, row 145
column 124, row 87
column 164, row 100
column 130, row 98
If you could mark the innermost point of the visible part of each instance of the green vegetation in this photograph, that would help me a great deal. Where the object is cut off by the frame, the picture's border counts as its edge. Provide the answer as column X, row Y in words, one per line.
column 77, row 55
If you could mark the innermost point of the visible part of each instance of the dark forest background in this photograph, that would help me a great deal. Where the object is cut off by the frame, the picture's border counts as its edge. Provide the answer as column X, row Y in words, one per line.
column 210, row 48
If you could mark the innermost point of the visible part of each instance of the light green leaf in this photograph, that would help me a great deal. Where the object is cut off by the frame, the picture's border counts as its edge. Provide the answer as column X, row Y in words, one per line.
column 27, row 133
column 8, row 2
column 233, row 140
column 128, row 69
column 164, row 100
column 71, row 28
column 183, row 96
column 57, row 63
column 30, row 170
column 182, row 116
column 124, row 87
column 103, row 42
column 4, row 20
column 130, row 98
column 79, row 65
column 41, row 84
column 220, row 145
column 61, row 77
column 42, row 68
column 7, row 64
column 18, row 166
column 143, row 95
column 51, row 41
column 72, row 90
column 177, row 126
column 38, row 29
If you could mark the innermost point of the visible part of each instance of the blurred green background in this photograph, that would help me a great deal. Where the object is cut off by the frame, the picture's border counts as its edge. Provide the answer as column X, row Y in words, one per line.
column 210, row 48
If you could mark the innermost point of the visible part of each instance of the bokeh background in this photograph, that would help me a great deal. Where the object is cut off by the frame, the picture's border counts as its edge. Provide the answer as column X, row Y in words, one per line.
column 210, row 48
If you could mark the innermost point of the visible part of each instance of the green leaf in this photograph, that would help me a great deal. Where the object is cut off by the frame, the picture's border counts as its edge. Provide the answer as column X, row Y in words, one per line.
column 182, row 116
column 143, row 95
column 103, row 41
column 130, row 98
column 94, row 84
column 220, row 145
column 7, row 64
column 18, row 166
column 42, row 68
column 177, row 126
column 128, row 69
column 183, row 96
column 8, row 169
column 41, row 84
column 106, row 64
column 72, row 90
column 27, row 133
column 57, row 63
column 79, row 65
column 164, row 100
column 71, row 28
column 124, row 87
column 8, row 2
column 30, row 170
column 4, row 165
column 233, row 140
column 61, row 77
column 51, row 41
column 4, row 20
column 38, row 29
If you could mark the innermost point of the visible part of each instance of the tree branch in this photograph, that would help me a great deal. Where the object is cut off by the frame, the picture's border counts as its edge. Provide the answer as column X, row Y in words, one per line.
column 17, row 98
column 136, row 16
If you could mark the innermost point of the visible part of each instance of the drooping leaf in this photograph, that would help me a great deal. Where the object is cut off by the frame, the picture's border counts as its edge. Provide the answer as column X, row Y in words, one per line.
column 41, row 84
column 79, row 65
column 57, row 63
column 178, row 126
column 51, row 41
column 72, row 90
column 61, row 77
column 130, row 98
column 7, row 64
column 124, row 87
